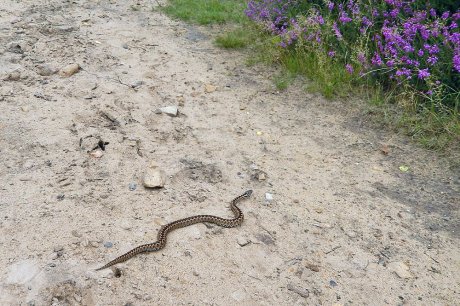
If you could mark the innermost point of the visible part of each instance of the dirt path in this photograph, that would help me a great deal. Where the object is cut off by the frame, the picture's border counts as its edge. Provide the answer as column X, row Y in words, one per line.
column 345, row 226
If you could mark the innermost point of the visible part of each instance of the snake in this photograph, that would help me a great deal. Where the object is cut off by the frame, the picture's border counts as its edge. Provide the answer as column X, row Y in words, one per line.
column 164, row 230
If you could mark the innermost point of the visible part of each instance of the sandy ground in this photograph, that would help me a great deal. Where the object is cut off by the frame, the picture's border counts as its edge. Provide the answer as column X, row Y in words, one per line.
column 345, row 226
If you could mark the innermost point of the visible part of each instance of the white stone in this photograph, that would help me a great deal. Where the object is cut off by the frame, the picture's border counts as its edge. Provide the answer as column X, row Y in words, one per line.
column 268, row 197
column 242, row 241
column 168, row 110
column 239, row 295
column 154, row 177
column 400, row 268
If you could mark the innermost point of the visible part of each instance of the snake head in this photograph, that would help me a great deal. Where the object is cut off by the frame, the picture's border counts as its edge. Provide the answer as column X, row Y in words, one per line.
column 247, row 194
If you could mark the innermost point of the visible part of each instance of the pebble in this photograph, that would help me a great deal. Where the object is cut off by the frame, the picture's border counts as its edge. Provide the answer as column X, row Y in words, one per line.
column 108, row 244
column 333, row 283
column 242, row 241
column 208, row 88
column 13, row 76
column 125, row 224
column 168, row 110
column 132, row 186
column 268, row 197
column 400, row 268
column 299, row 290
column 76, row 234
column 84, row 242
column 69, row 70
column 239, row 295
column 45, row 70
column 137, row 84
column 351, row 234
column 96, row 153
column 154, row 177
column 261, row 176
column 15, row 47
column 312, row 267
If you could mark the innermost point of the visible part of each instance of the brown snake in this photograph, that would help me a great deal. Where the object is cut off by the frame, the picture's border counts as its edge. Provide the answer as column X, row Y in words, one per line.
column 163, row 232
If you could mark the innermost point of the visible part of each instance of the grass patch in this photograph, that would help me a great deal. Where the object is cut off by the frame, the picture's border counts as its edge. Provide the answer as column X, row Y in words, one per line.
column 206, row 11
column 233, row 39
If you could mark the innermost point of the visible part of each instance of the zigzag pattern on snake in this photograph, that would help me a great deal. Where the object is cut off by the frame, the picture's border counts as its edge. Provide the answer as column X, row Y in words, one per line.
column 163, row 232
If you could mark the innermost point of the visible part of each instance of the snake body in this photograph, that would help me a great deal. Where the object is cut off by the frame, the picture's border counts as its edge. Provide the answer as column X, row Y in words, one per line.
column 163, row 232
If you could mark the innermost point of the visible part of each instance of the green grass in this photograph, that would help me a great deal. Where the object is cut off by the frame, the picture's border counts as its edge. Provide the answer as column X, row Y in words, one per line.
column 206, row 11
column 234, row 39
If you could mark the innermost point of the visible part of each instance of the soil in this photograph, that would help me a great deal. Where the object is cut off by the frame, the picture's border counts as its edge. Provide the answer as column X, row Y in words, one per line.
column 342, row 213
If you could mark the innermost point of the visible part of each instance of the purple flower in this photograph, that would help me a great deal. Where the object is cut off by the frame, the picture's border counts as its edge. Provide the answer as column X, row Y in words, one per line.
column 349, row 68
column 344, row 18
column 423, row 74
column 331, row 53
column 432, row 60
column 445, row 15
column 420, row 52
column 330, row 6
column 376, row 60
column 403, row 72
column 456, row 62
column 361, row 58
column 337, row 31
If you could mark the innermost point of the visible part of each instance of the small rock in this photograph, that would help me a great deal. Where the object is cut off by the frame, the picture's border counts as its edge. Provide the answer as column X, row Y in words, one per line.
column 96, row 153
column 400, row 268
column 125, row 224
column 13, row 76
column 28, row 164
column 168, row 110
column 312, row 267
column 132, row 186
column 299, row 290
column 333, row 283
column 125, row 46
column 242, row 241
column 154, row 177
column 239, row 295
column 25, row 109
column 181, row 100
column 351, row 234
column 268, row 197
column 262, row 177
column 69, row 70
column 84, row 242
column 137, row 84
column 60, row 197
column 45, row 70
column 108, row 244
column 15, row 47
column 76, row 234
column 54, row 256
column 208, row 88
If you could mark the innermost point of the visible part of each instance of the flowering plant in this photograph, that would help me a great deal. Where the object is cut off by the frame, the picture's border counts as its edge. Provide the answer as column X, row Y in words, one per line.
column 394, row 42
